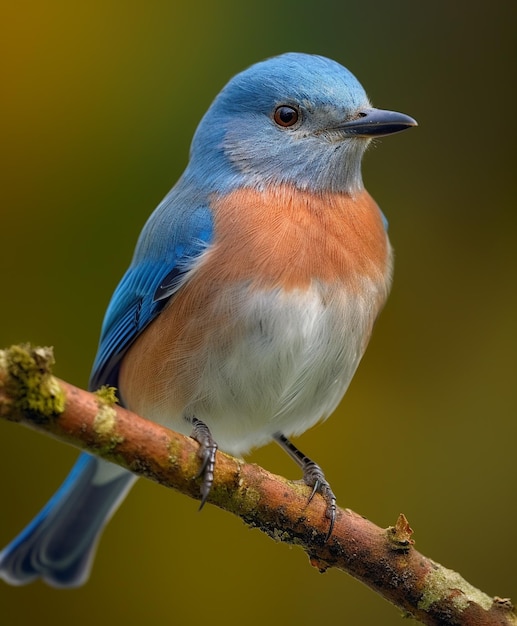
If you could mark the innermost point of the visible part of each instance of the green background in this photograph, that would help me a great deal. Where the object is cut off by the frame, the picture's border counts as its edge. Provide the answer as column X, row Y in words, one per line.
column 100, row 101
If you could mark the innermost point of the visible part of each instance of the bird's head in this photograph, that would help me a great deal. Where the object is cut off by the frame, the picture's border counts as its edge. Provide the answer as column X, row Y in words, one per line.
column 295, row 119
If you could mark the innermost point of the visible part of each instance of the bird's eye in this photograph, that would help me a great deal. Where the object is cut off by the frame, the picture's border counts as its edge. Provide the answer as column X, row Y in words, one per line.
column 286, row 116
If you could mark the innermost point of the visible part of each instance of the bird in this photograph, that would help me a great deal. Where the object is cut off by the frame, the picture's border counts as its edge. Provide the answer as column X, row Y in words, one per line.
column 250, row 298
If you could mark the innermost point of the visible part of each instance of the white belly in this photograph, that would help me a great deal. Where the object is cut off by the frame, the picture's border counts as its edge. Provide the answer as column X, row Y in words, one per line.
column 283, row 365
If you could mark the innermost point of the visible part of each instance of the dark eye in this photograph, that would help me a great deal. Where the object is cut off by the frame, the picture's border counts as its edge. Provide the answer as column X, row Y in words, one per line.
column 286, row 116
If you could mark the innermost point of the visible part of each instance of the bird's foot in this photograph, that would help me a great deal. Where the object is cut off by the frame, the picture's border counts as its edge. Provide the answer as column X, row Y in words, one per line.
column 207, row 451
column 313, row 476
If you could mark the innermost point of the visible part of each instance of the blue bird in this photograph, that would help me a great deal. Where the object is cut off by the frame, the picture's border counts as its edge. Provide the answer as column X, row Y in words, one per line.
column 250, row 298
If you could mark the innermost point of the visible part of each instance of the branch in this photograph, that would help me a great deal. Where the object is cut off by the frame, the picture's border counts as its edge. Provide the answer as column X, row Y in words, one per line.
column 383, row 559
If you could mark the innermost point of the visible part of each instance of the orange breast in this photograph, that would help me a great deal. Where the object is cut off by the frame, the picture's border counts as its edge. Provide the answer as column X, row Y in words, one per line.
column 286, row 238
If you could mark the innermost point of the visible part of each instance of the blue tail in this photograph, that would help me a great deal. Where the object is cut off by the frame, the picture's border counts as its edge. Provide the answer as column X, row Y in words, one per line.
column 59, row 544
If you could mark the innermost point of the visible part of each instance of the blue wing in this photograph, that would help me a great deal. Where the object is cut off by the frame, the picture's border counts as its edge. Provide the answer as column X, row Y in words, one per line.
column 168, row 247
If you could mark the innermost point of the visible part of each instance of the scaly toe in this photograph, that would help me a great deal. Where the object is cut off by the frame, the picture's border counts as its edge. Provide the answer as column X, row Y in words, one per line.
column 207, row 451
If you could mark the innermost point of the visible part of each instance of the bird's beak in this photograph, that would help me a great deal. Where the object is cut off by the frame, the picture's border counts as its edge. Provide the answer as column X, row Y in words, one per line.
column 376, row 123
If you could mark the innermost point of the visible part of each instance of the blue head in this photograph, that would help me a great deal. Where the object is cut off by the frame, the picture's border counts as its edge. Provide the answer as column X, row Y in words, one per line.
column 298, row 119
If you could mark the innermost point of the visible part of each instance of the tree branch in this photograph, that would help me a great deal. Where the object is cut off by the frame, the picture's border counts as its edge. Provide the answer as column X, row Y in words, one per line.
column 383, row 559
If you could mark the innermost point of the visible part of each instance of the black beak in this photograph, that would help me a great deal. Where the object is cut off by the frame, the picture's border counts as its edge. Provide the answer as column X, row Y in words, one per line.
column 376, row 123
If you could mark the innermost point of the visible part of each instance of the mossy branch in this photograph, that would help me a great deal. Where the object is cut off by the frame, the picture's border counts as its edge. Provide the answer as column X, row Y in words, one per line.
column 383, row 559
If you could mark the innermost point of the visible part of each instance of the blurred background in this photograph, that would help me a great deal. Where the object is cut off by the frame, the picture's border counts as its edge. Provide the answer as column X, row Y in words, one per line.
column 100, row 101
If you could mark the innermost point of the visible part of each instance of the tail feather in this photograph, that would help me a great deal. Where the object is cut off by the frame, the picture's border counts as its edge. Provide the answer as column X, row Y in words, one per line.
column 60, row 543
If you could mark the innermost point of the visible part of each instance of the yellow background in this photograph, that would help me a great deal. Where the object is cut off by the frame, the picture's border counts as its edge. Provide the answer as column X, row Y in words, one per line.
column 99, row 103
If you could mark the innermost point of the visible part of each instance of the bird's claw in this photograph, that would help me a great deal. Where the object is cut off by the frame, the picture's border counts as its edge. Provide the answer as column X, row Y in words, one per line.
column 314, row 477
column 207, row 451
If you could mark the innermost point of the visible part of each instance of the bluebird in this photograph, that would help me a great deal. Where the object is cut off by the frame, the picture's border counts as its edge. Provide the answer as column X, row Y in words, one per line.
column 250, row 298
